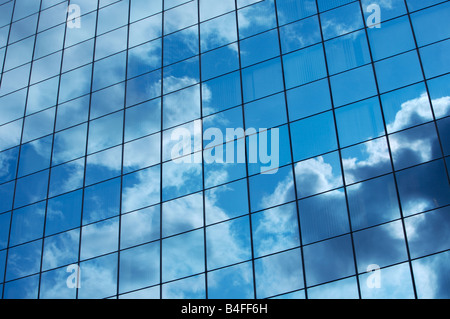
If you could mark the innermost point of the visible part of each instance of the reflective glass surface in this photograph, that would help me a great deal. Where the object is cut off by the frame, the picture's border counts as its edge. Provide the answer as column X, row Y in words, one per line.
column 233, row 149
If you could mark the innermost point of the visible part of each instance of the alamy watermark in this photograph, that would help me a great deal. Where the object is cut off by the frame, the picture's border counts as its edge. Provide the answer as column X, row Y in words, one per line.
column 262, row 146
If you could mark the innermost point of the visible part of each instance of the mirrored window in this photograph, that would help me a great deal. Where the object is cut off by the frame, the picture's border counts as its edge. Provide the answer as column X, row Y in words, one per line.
column 182, row 214
column 240, row 275
column 338, row 251
column 139, row 267
column 99, row 238
column 61, row 249
column 275, row 230
column 183, row 255
column 318, row 175
column 278, row 273
column 63, row 213
column 140, row 226
column 323, row 216
column 228, row 243
column 27, row 224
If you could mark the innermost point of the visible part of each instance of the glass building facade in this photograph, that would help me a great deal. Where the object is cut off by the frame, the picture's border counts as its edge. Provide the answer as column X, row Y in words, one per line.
column 92, row 93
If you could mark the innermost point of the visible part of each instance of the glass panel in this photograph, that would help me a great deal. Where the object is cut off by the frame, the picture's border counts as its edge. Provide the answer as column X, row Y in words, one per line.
column 107, row 100
column 382, row 245
column 395, row 283
column 219, row 61
column 366, row 160
column 347, row 52
column 313, row 136
column 104, row 270
column 278, row 273
column 181, row 106
column 142, row 153
column 101, row 201
column 66, row 177
column 259, row 48
column 431, row 25
column 218, row 31
column 10, row 134
column 189, row 288
column 54, row 285
column 221, row 93
column 189, row 172
column 63, row 213
column 262, row 79
column 208, row 9
column 228, row 243
column 27, row 224
column 111, row 43
column 339, row 256
column 23, row 260
column 303, row 66
column 432, row 191
column 342, row 20
column 318, row 175
column 72, row 113
column 398, row 71
column 267, row 190
column 373, row 202
column 99, row 238
column 440, row 94
column 143, row 88
column 13, row 106
column 415, row 146
column 406, row 107
column 427, row 232
column 393, row 37
column 9, row 164
column 112, row 17
column 144, row 58
column 299, row 34
column 108, row 71
column 146, row 29
column 323, row 216
column 140, row 226
column 26, row 288
column 5, row 220
column 139, row 267
column 42, row 95
column 291, row 10
column 226, row 201
column 240, row 277
column 19, row 53
column 434, row 59
column 431, row 276
column 180, row 45
column 256, row 18
column 275, row 230
column 182, row 214
column 105, row 132
column 444, row 134
column 183, row 255
column 366, row 119
column 61, row 250
column 141, row 189
column 103, row 165
column 35, row 156
column 49, row 41
column 180, row 17
column 31, row 189
column 341, row 289
column 69, row 144
column 143, row 8
column 266, row 113
column 7, row 192
column 74, row 36
column 75, row 83
column 38, row 125
column 353, row 85
column 142, row 119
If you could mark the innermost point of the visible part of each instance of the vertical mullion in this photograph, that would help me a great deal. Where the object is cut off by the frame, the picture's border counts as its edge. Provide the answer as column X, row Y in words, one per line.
column 389, row 150
column 87, row 138
column 292, row 153
column 161, row 155
column 123, row 149
column 18, row 155
column 202, row 153
column 339, row 148
column 21, row 134
column 52, row 148
column 238, row 42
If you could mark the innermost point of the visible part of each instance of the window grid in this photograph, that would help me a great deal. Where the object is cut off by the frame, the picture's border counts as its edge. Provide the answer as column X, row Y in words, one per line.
column 292, row 163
